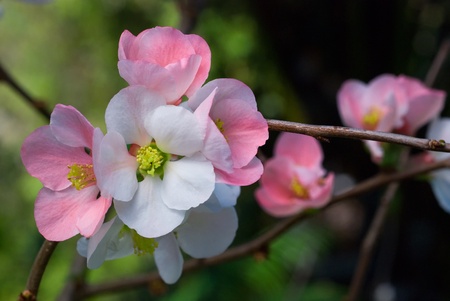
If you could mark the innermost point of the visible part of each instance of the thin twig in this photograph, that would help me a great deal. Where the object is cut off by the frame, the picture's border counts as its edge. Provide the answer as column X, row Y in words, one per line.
column 260, row 243
column 37, row 271
column 345, row 132
column 37, row 105
column 437, row 63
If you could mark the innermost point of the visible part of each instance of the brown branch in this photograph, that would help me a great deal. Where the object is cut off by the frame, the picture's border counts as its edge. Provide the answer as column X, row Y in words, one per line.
column 261, row 242
column 320, row 131
column 37, row 271
column 37, row 105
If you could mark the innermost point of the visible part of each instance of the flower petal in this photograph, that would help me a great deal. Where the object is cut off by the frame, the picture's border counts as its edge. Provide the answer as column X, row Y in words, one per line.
column 115, row 168
column 60, row 215
column 206, row 234
column 187, row 182
column 175, row 130
column 147, row 213
column 168, row 258
column 243, row 176
column 127, row 111
column 70, row 127
column 48, row 159
column 302, row 149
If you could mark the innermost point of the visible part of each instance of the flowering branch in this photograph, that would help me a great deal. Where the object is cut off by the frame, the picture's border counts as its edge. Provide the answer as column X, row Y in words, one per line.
column 321, row 131
column 260, row 243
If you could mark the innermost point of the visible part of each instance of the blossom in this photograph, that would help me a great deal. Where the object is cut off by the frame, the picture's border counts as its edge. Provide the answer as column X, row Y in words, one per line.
column 166, row 60
column 440, row 179
column 418, row 103
column 60, row 156
column 150, row 161
column 234, row 130
column 370, row 107
column 204, row 233
column 390, row 104
column 294, row 180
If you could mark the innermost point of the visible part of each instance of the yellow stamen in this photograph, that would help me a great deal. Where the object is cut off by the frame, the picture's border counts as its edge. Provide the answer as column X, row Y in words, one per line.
column 151, row 160
column 81, row 175
column 372, row 118
column 299, row 190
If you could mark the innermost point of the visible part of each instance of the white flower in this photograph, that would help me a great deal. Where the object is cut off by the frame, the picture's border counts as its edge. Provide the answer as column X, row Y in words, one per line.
column 150, row 161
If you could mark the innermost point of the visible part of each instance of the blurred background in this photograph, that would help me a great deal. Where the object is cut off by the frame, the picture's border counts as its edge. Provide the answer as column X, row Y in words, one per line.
column 294, row 54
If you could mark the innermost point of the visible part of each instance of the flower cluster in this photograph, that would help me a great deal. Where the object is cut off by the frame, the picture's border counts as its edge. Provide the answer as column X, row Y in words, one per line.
column 171, row 162
column 388, row 103
column 294, row 180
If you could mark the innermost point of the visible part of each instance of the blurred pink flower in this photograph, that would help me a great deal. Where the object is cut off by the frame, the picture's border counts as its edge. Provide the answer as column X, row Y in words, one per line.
column 370, row 107
column 165, row 60
column 60, row 156
column 294, row 180
column 389, row 104
column 234, row 130
column 417, row 103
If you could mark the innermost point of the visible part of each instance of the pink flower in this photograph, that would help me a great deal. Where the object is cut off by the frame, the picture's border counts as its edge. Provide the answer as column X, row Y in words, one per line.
column 60, row 156
column 234, row 130
column 294, row 180
column 165, row 60
column 370, row 107
column 388, row 103
column 418, row 103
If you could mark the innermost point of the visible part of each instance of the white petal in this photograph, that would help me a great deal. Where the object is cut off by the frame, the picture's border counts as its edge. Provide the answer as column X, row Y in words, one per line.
column 188, row 182
column 105, row 244
column 206, row 234
column 126, row 112
column 115, row 168
column 224, row 196
column 168, row 258
column 175, row 130
column 440, row 184
column 146, row 212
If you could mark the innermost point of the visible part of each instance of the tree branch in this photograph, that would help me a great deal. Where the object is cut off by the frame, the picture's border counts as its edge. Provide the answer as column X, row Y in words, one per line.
column 37, row 271
column 320, row 131
column 260, row 243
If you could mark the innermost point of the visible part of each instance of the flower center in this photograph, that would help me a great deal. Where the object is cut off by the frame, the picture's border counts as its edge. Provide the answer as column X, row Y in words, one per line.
column 372, row 118
column 151, row 160
column 81, row 175
column 299, row 190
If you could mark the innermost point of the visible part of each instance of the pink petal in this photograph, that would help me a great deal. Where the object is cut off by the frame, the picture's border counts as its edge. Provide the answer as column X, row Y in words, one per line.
column 125, row 42
column 243, row 176
column 244, row 128
column 70, row 127
column 48, row 159
column 201, row 48
column 184, row 72
column 161, row 45
column 62, row 214
column 303, row 150
column 215, row 146
column 227, row 88
column 349, row 97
